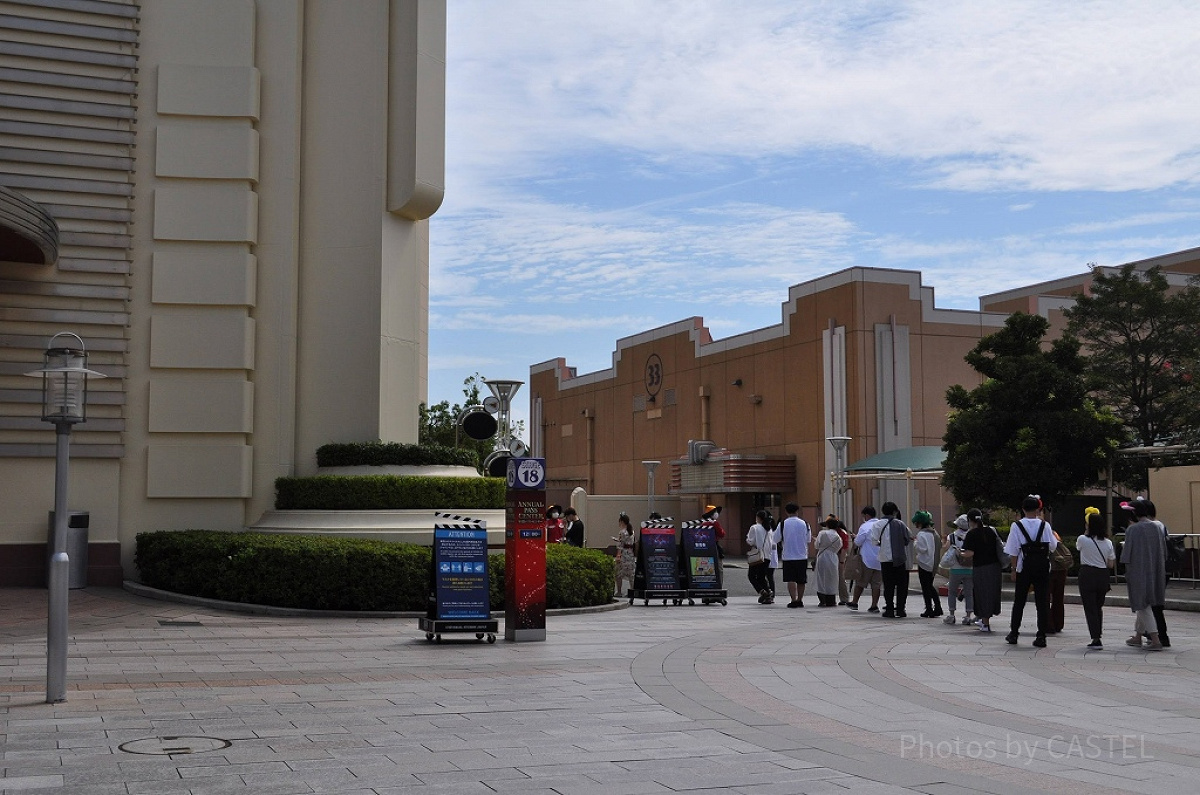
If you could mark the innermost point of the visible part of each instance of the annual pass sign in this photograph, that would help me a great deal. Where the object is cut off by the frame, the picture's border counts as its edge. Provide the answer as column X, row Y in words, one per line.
column 526, row 473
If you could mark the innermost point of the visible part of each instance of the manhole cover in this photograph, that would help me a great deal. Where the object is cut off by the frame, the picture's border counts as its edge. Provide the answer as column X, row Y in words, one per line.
column 171, row 622
column 169, row 746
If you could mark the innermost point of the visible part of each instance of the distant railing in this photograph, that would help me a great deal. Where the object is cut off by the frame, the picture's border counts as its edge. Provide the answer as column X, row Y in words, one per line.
column 1188, row 567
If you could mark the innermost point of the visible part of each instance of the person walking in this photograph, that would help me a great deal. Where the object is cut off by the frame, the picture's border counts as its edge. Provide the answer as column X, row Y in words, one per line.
column 961, row 578
column 828, row 546
column 758, row 538
column 929, row 548
column 797, row 543
column 1144, row 554
column 980, row 549
column 1031, row 542
column 1096, row 559
column 894, row 539
column 869, row 552
column 626, row 554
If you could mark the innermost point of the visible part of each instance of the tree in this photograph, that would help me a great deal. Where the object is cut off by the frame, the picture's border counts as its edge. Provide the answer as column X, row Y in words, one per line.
column 438, row 424
column 1141, row 343
column 1030, row 427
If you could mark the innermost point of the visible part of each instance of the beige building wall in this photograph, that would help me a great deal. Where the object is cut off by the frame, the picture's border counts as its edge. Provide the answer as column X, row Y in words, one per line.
column 254, row 281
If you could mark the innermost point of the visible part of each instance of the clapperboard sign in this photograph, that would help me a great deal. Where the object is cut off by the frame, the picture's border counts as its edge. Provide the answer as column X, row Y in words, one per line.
column 701, row 563
column 459, row 599
column 657, row 570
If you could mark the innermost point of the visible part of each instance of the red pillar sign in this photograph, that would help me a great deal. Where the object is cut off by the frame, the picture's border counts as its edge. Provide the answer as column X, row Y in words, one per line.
column 525, row 551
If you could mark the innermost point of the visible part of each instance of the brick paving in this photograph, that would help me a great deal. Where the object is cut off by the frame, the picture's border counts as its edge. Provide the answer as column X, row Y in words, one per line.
column 737, row 699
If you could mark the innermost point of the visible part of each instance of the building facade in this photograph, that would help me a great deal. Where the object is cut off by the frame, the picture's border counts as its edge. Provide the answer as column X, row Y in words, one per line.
column 241, row 189
column 743, row 422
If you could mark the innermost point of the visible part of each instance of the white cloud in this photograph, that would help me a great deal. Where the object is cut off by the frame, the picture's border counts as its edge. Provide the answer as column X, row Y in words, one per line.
column 1055, row 96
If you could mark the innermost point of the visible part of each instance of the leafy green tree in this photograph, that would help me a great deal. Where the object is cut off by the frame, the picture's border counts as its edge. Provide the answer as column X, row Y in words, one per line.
column 1030, row 427
column 1141, row 343
column 438, row 423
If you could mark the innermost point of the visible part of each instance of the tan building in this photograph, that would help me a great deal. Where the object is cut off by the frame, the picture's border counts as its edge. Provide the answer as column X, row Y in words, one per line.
column 241, row 189
column 864, row 353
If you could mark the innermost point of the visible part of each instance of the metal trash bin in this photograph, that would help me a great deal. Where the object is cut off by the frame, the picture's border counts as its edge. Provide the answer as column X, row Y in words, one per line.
column 77, row 546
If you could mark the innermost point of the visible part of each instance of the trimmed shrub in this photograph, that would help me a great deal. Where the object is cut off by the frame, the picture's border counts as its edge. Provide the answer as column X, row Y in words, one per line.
column 393, row 454
column 387, row 492
column 328, row 573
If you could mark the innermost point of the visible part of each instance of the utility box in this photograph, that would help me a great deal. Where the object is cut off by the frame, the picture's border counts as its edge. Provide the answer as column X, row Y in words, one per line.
column 77, row 546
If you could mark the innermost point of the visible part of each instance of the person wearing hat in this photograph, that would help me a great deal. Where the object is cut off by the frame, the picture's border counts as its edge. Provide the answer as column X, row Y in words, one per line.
column 1144, row 554
column 929, row 548
column 961, row 578
column 1096, row 559
column 555, row 527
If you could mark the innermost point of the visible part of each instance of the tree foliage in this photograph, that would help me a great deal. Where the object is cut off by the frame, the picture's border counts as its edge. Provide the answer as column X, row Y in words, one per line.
column 1030, row 427
column 1142, row 344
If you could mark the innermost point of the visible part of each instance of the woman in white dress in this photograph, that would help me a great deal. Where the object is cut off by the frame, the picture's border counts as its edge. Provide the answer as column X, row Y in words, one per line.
column 828, row 544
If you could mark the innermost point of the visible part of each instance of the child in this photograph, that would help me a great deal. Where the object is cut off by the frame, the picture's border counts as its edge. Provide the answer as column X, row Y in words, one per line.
column 928, row 553
column 960, row 575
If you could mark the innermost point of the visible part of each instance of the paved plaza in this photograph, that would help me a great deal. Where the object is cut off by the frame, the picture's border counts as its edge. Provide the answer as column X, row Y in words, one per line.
column 171, row 699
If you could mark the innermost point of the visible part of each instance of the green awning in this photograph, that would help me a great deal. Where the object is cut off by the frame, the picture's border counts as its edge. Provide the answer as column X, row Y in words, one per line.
column 918, row 459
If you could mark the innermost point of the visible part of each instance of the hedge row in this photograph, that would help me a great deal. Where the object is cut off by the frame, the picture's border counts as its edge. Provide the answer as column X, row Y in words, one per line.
column 327, row 573
column 393, row 454
column 387, row 492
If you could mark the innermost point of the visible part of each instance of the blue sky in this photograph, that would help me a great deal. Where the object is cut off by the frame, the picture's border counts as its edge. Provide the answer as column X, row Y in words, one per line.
column 616, row 166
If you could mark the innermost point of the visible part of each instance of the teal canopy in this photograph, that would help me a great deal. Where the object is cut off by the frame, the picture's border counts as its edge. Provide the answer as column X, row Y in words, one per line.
column 918, row 459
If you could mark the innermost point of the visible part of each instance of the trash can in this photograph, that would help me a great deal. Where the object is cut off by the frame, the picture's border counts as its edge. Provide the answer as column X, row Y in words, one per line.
column 77, row 546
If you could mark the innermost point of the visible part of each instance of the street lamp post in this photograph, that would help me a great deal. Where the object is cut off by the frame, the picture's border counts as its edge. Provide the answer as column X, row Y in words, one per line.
column 650, row 467
column 64, row 377
column 840, row 443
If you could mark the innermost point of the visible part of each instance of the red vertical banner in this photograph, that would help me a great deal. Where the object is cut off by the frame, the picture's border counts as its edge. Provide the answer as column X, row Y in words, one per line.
column 525, row 551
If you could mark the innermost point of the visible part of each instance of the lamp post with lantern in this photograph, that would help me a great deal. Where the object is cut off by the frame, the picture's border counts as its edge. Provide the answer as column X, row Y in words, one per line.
column 64, row 403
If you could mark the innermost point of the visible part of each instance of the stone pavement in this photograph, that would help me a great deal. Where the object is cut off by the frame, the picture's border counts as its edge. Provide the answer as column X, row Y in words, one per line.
column 737, row 699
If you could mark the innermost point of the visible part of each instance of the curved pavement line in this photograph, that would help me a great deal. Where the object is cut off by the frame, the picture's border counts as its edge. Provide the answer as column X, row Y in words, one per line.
column 668, row 674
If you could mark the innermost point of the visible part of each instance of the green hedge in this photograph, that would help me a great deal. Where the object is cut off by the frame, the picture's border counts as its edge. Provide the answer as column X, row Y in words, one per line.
column 327, row 573
column 393, row 454
column 387, row 492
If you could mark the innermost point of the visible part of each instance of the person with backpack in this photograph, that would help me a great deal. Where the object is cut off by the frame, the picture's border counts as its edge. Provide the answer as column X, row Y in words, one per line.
column 1030, row 543
column 961, row 576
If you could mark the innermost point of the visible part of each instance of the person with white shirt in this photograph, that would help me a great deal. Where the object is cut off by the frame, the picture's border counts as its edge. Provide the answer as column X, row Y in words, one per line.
column 797, row 543
column 1030, row 543
column 872, row 575
column 1096, row 559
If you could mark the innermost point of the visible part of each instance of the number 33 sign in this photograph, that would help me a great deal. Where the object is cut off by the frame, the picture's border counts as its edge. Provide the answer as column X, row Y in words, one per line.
column 654, row 374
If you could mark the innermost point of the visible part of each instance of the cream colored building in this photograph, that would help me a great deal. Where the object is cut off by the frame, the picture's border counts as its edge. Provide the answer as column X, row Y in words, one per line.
column 242, row 190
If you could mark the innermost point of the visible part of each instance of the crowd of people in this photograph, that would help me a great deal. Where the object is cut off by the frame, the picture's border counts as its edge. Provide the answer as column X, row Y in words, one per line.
column 878, row 557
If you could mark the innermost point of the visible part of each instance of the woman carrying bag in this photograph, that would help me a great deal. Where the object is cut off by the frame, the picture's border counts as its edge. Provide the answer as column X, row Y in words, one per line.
column 1096, row 559
column 758, row 558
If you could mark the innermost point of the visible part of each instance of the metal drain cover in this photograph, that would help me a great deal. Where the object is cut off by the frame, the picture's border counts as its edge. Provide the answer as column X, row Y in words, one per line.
column 169, row 746
column 171, row 622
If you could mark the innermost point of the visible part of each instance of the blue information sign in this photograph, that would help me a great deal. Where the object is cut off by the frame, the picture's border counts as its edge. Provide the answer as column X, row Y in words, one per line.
column 460, row 562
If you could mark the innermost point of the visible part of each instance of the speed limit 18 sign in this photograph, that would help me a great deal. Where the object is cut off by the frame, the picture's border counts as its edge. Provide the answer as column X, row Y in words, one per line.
column 526, row 473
